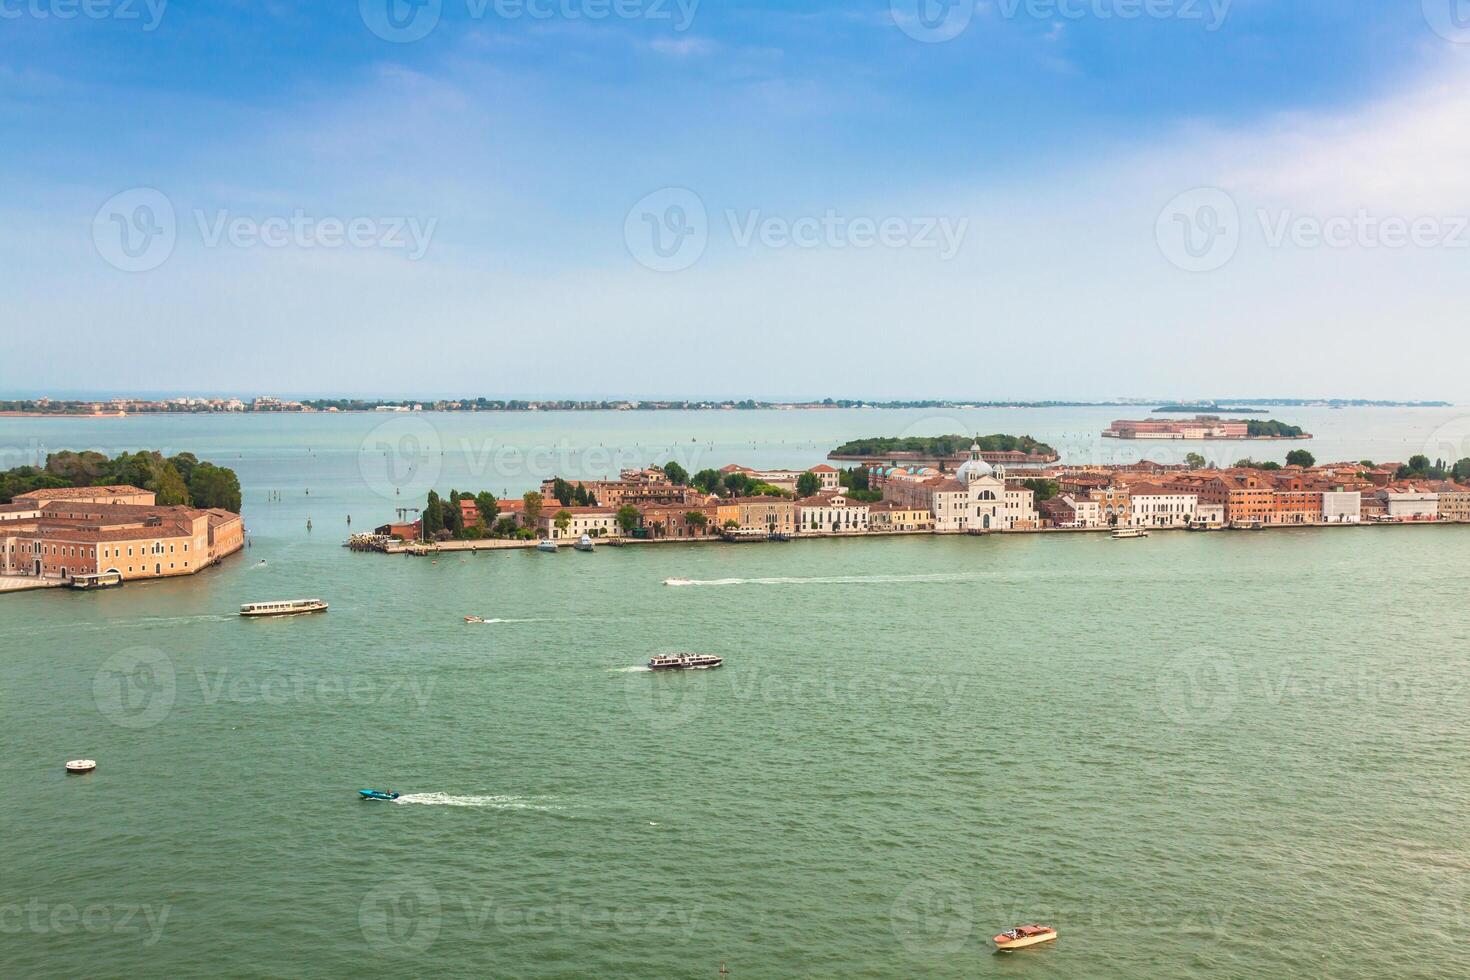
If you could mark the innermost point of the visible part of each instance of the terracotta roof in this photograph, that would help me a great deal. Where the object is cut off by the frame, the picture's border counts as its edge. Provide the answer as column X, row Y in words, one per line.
column 72, row 493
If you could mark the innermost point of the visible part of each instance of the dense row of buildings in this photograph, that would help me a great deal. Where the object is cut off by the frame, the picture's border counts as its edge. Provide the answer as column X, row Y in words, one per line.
column 1150, row 495
column 978, row 497
column 76, row 532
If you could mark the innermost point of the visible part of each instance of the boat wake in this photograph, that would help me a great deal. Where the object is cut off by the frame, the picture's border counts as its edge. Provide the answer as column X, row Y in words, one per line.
column 535, row 803
column 628, row 670
column 492, row 622
column 940, row 577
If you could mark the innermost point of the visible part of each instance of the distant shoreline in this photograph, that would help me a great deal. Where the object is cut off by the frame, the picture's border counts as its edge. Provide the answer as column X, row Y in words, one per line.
column 394, row 409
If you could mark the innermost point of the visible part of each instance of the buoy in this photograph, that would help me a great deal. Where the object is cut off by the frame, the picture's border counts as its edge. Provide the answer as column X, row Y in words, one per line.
column 81, row 765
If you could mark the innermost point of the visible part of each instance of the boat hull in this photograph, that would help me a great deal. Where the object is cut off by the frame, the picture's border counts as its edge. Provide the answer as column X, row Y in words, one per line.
column 255, row 614
column 1025, row 941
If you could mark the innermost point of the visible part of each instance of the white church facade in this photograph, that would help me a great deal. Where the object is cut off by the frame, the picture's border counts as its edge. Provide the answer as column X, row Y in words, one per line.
column 975, row 499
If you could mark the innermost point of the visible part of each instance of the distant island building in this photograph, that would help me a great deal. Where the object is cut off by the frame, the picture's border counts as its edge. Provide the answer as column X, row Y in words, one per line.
column 1201, row 427
column 121, row 531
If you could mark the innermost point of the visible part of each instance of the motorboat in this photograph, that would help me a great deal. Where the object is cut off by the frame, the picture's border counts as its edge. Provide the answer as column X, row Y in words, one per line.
column 292, row 607
column 1023, row 936
column 79, row 766
column 547, row 546
column 685, row 661
column 473, row 619
column 584, row 543
column 378, row 794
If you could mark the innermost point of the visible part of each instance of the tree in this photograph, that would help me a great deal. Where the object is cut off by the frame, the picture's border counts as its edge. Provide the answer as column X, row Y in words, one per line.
column 710, row 481
column 184, row 463
column 454, row 516
column 433, row 516
column 505, row 527
column 677, row 474
column 628, row 518
column 1461, row 470
column 489, row 507
column 697, row 519
column 562, row 520
column 737, row 485
column 581, row 497
column 562, row 491
column 1194, row 461
column 169, row 488
column 807, row 485
column 1043, row 489
column 213, row 486
column 1300, row 457
column 532, row 502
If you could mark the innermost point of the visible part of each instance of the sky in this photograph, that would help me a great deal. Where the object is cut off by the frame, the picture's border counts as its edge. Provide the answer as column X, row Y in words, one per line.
column 1003, row 199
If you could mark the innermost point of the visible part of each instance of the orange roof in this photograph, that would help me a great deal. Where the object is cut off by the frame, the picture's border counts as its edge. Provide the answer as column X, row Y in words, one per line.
column 71, row 493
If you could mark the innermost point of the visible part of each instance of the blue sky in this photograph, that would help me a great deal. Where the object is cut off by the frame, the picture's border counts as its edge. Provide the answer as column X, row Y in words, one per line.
column 501, row 168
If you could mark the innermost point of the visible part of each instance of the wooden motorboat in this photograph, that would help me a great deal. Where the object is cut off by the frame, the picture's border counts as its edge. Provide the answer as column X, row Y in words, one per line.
column 1023, row 936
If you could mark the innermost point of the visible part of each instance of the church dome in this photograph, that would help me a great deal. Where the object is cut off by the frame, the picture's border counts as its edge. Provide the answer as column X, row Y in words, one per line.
column 974, row 468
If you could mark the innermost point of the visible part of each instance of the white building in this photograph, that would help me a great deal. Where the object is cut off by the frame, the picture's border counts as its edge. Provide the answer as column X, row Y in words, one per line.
column 1211, row 514
column 1342, row 507
column 1088, row 511
column 830, row 514
column 1407, row 504
column 1151, row 505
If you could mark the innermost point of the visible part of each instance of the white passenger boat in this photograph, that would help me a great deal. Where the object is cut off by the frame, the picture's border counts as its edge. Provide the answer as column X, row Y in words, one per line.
column 584, row 543
column 291, row 607
column 685, row 661
column 1120, row 533
column 547, row 546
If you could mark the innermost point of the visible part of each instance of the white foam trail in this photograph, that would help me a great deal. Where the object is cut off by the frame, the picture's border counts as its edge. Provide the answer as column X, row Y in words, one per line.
column 481, row 802
column 628, row 670
column 830, row 580
column 490, row 622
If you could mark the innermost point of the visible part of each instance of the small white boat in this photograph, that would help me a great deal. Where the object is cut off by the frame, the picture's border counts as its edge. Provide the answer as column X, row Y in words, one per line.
column 547, row 546
column 584, row 543
column 1121, row 533
column 473, row 619
column 291, row 607
column 79, row 766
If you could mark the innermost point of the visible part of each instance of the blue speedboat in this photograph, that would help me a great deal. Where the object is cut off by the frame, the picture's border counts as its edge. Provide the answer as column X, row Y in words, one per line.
column 377, row 794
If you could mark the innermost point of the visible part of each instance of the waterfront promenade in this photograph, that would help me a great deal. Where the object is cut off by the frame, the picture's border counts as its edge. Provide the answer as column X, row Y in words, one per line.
column 430, row 549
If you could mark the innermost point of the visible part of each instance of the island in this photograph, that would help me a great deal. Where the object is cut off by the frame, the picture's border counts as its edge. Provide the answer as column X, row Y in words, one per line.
column 947, row 452
column 88, row 521
column 1203, row 427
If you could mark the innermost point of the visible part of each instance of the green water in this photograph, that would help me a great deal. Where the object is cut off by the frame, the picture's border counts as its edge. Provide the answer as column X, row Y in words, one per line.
column 1228, row 755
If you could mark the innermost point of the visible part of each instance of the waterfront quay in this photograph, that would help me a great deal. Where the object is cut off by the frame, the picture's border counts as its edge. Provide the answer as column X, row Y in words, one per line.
column 737, row 504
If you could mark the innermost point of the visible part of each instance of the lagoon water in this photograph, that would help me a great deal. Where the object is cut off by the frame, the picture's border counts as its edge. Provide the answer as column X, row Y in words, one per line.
column 1229, row 755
